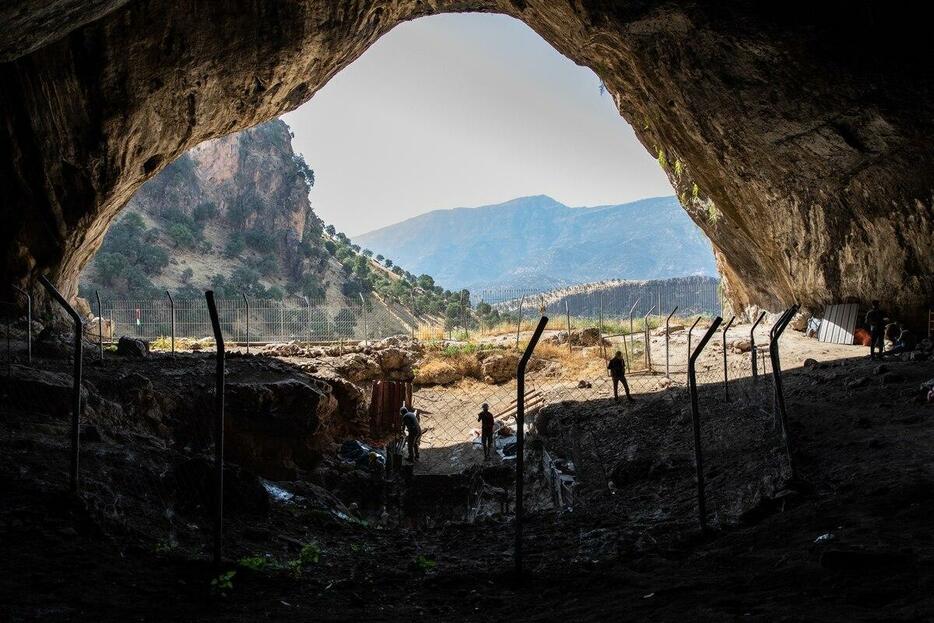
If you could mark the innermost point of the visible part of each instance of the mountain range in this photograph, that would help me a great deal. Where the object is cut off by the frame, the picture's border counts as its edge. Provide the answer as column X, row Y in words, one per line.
column 539, row 243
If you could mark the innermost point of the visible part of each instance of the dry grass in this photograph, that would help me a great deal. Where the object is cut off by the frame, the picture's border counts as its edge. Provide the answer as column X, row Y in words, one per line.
column 181, row 344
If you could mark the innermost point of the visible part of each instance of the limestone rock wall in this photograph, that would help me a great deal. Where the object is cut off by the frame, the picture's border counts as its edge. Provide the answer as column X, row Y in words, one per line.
column 798, row 135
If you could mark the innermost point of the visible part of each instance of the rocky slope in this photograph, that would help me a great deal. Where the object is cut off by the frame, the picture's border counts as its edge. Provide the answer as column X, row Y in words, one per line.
column 805, row 130
column 232, row 212
column 540, row 243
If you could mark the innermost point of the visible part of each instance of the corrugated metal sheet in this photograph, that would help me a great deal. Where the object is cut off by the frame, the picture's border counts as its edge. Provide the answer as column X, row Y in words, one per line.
column 838, row 324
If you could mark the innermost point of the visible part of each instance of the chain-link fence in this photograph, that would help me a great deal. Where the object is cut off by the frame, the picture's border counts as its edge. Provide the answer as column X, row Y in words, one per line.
column 623, row 450
column 254, row 320
column 593, row 437
column 616, row 308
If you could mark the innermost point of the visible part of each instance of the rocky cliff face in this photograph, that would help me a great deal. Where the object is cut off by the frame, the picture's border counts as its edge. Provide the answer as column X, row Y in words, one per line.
column 236, row 205
column 797, row 134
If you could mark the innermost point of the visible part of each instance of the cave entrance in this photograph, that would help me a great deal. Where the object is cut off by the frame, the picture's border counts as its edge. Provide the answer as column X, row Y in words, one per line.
column 430, row 118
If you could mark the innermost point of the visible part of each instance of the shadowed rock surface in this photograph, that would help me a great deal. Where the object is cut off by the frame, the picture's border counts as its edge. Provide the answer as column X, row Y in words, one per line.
column 797, row 136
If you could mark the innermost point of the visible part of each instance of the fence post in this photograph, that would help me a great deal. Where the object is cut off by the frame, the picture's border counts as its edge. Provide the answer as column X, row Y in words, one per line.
column 695, row 418
column 218, row 429
column 667, row 321
column 464, row 317
column 172, row 312
column 781, row 417
column 28, row 322
column 100, row 324
column 520, row 438
column 519, row 322
column 632, row 344
column 366, row 341
column 726, row 385
column 567, row 311
column 690, row 331
column 76, row 386
column 247, row 303
column 647, row 354
column 281, row 321
column 752, row 347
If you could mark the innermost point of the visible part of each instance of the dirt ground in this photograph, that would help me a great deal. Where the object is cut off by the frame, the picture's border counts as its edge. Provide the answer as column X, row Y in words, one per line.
column 849, row 540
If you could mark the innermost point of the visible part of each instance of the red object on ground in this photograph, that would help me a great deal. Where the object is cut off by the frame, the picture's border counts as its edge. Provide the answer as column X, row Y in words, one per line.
column 861, row 337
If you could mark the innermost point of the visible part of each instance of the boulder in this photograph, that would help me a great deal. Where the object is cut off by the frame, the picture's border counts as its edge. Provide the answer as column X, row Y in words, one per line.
column 132, row 347
column 499, row 367
column 436, row 372
column 672, row 328
column 356, row 367
column 276, row 427
column 580, row 337
column 741, row 345
column 395, row 363
column 403, row 342
column 800, row 321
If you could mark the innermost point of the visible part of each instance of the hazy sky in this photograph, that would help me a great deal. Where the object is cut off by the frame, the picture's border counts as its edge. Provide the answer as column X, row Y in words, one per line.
column 465, row 110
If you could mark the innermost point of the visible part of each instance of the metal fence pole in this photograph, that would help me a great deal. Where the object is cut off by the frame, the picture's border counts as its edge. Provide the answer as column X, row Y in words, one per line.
column 726, row 385
column 647, row 354
column 520, row 438
column 366, row 341
column 100, row 324
column 247, row 303
column 752, row 347
column 567, row 311
column 28, row 322
column 667, row 321
column 218, row 430
column 632, row 344
column 690, row 331
column 519, row 322
column 695, row 418
column 781, row 416
column 172, row 312
column 76, row 386
column 464, row 317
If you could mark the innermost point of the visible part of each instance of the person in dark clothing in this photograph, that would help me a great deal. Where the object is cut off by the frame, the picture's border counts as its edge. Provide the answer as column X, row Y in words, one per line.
column 875, row 320
column 905, row 343
column 617, row 368
column 486, row 430
column 412, row 429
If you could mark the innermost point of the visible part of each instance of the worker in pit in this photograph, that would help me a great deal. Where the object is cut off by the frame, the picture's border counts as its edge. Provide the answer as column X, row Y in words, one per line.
column 412, row 429
column 617, row 368
column 486, row 430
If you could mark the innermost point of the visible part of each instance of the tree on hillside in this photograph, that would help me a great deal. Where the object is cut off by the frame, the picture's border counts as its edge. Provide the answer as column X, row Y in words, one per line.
column 388, row 263
column 380, row 258
column 331, row 230
column 426, row 282
column 367, row 253
column 181, row 236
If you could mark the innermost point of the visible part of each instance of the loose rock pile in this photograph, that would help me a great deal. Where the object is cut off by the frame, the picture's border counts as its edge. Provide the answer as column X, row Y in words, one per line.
column 580, row 337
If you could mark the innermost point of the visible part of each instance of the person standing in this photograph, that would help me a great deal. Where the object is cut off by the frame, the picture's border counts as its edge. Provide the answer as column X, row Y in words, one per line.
column 486, row 430
column 617, row 368
column 875, row 320
column 411, row 427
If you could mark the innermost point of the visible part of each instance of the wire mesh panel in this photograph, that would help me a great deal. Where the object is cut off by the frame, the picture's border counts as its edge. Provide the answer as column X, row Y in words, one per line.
column 256, row 320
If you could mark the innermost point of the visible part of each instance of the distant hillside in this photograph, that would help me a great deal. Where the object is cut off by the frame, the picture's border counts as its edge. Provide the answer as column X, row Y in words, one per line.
column 233, row 215
column 537, row 242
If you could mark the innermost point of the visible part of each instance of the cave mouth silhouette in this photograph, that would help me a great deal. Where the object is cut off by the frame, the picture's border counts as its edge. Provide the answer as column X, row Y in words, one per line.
column 799, row 140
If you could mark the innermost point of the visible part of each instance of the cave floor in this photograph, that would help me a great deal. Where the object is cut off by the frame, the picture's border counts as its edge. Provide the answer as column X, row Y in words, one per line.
column 856, row 545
